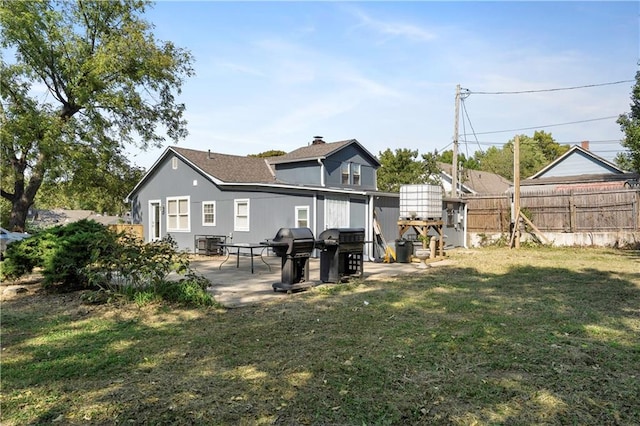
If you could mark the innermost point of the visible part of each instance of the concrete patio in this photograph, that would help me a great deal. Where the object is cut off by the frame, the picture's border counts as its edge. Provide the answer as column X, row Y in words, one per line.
column 236, row 286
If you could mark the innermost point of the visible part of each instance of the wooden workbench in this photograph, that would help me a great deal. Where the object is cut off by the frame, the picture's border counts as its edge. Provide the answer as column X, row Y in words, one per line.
column 422, row 228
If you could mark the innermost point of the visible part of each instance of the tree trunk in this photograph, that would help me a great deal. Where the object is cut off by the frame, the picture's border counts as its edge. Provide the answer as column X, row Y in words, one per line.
column 19, row 211
column 24, row 195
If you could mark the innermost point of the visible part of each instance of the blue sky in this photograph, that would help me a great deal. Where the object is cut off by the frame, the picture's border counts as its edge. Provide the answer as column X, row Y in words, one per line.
column 271, row 75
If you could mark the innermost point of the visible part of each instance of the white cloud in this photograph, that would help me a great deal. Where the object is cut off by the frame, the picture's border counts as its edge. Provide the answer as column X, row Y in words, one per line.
column 244, row 69
column 392, row 28
column 367, row 86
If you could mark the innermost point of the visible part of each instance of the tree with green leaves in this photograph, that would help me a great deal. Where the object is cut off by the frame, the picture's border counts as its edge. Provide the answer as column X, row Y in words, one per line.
column 88, row 78
column 398, row 168
column 497, row 160
column 430, row 169
column 464, row 162
column 535, row 153
column 550, row 148
column 630, row 125
column 104, row 193
column 267, row 154
column 403, row 167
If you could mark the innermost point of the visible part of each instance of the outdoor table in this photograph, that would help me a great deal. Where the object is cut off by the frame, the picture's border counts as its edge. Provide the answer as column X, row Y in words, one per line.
column 245, row 246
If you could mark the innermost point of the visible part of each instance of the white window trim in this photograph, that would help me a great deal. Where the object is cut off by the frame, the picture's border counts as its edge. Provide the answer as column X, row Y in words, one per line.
column 159, row 219
column 185, row 197
column 236, row 202
column 174, row 163
column 298, row 210
column 215, row 213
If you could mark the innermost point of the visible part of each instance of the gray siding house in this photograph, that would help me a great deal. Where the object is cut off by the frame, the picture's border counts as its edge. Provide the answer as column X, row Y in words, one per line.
column 578, row 169
column 189, row 193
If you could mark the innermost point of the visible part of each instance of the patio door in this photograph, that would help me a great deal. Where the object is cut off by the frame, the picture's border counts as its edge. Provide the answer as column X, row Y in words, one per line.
column 154, row 220
column 336, row 212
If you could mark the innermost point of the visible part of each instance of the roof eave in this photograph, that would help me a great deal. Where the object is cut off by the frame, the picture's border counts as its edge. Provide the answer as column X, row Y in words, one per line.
column 298, row 160
column 147, row 174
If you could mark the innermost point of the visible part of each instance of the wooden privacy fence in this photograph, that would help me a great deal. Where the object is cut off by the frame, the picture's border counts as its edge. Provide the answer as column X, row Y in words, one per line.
column 133, row 229
column 559, row 211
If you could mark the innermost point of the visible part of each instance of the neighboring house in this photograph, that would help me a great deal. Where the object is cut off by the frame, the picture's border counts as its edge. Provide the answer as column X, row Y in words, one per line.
column 579, row 169
column 189, row 193
column 473, row 182
column 46, row 218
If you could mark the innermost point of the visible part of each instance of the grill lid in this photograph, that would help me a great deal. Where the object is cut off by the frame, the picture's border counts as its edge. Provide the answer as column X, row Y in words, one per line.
column 343, row 234
column 288, row 234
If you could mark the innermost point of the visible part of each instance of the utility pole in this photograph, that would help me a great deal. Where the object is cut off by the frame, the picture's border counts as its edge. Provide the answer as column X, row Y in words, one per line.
column 454, row 165
column 516, row 191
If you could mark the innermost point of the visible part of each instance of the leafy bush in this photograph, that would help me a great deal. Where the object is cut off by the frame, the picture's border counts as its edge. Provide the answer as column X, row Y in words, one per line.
column 136, row 264
column 487, row 241
column 141, row 271
column 86, row 254
column 188, row 291
column 62, row 252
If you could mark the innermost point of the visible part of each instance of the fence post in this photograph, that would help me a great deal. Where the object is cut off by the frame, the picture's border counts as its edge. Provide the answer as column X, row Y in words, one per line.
column 635, row 209
column 572, row 213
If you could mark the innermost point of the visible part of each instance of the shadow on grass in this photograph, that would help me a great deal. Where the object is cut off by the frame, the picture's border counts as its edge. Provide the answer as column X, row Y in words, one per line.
column 456, row 346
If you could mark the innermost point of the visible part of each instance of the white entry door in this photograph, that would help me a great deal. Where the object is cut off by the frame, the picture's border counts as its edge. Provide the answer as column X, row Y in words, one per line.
column 154, row 220
column 336, row 212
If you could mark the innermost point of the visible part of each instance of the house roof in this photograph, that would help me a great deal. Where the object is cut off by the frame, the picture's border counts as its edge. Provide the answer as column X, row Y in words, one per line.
column 239, row 170
column 322, row 150
column 606, row 166
column 596, row 181
column 228, row 168
column 478, row 181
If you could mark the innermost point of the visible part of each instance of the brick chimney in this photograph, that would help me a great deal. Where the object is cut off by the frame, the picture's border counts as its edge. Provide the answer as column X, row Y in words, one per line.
column 584, row 145
column 317, row 140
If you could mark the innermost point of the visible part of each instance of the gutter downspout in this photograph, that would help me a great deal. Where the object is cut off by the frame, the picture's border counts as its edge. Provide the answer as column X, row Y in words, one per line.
column 322, row 170
column 315, row 219
column 369, row 229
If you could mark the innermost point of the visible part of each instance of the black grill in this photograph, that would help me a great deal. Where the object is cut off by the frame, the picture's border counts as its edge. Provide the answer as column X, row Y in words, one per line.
column 341, row 254
column 294, row 246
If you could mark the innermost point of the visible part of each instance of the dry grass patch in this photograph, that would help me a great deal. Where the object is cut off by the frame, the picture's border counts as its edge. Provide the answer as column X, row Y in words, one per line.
column 499, row 337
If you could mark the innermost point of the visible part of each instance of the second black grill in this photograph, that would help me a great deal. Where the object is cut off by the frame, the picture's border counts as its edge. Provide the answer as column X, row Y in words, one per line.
column 342, row 254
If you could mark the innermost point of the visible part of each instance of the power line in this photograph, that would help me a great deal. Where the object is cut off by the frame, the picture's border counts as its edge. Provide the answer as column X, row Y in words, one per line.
column 469, row 92
column 545, row 126
column 591, row 142
column 466, row 113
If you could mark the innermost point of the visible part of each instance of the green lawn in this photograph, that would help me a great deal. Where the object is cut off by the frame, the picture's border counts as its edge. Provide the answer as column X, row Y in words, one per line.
column 529, row 336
